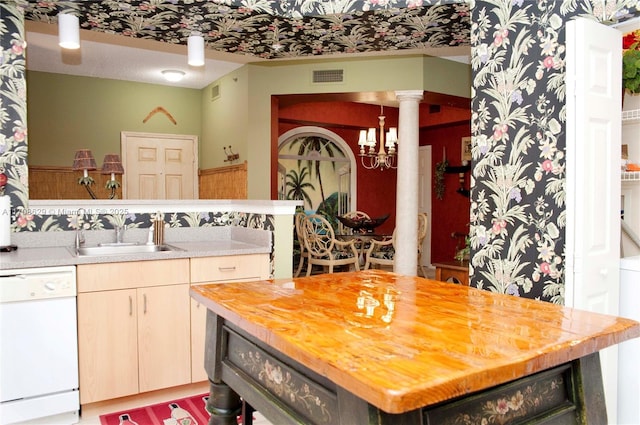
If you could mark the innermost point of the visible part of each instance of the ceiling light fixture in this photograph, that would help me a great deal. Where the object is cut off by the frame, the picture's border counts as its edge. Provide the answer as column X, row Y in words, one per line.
column 68, row 31
column 195, row 49
column 173, row 75
column 381, row 159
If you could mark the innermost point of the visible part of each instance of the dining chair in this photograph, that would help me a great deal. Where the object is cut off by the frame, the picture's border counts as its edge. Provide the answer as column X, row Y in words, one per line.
column 323, row 248
column 381, row 253
column 304, row 254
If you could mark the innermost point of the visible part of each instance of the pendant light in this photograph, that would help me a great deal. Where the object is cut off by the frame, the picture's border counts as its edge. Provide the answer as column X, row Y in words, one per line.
column 195, row 45
column 68, row 31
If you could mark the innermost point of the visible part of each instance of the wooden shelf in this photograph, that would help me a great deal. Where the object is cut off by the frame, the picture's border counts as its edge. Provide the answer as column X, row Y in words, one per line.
column 457, row 169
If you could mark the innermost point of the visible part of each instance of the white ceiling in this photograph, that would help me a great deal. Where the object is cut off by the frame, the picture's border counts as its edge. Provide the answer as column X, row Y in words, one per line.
column 139, row 60
column 125, row 58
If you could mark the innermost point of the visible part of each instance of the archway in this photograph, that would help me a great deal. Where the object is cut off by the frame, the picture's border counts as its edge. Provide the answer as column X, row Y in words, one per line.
column 317, row 166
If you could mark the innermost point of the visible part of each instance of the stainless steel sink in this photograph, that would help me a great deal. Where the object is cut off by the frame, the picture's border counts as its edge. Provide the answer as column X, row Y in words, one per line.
column 121, row 249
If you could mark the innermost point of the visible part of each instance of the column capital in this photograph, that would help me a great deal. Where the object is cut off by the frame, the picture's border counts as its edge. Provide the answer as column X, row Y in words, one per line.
column 409, row 95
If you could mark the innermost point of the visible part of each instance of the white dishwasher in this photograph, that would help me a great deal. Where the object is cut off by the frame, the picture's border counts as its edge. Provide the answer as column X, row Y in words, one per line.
column 629, row 351
column 38, row 346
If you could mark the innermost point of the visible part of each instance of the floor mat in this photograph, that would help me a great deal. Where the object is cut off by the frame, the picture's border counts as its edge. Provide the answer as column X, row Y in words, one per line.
column 184, row 411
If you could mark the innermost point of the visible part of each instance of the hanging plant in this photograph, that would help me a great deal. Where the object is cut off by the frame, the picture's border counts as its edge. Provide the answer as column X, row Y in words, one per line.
column 441, row 168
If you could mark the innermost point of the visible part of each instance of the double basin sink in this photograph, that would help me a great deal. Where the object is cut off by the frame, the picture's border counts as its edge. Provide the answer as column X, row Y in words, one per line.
column 120, row 249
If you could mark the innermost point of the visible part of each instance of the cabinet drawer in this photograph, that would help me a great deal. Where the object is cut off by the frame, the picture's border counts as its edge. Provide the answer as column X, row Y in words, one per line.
column 134, row 274
column 297, row 391
column 542, row 398
column 228, row 268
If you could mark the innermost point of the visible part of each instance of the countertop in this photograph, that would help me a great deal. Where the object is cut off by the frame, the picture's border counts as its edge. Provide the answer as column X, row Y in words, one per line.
column 64, row 255
column 403, row 342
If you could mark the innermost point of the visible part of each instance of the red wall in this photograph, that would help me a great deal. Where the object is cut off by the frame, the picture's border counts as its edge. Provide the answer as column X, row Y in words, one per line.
column 376, row 188
column 451, row 213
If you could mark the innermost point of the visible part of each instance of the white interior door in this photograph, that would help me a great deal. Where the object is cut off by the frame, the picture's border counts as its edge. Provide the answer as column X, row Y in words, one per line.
column 159, row 166
column 424, row 200
column 593, row 178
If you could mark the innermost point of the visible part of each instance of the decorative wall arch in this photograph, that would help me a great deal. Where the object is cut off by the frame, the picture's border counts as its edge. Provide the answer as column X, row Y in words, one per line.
column 336, row 139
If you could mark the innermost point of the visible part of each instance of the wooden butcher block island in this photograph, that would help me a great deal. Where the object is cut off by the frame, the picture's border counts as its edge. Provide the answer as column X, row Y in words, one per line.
column 374, row 347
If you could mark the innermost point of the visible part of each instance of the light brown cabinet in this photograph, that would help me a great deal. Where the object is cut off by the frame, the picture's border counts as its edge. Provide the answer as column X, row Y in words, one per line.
column 138, row 329
column 133, row 327
column 218, row 269
column 107, row 344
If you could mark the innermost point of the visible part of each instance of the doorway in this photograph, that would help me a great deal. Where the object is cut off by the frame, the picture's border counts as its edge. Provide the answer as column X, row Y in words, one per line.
column 424, row 201
column 159, row 166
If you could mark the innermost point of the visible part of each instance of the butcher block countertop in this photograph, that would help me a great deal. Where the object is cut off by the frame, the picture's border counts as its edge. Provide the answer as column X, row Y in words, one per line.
column 402, row 343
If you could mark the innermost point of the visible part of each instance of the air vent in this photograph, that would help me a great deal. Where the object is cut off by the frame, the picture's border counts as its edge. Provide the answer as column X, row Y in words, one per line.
column 215, row 92
column 328, row 76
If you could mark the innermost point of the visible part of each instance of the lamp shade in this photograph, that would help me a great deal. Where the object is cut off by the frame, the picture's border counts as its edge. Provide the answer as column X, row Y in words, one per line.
column 392, row 137
column 362, row 141
column 195, row 50
column 112, row 164
column 84, row 160
column 68, row 31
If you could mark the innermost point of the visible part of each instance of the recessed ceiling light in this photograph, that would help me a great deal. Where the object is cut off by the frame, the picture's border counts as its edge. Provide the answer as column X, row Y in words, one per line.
column 173, row 75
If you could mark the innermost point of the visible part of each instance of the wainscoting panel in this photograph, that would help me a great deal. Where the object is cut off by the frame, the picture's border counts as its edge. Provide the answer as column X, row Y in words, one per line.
column 228, row 182
column 49, row 182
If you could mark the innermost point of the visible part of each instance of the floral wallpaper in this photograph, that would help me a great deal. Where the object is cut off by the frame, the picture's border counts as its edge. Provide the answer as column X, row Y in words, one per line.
column 13, row 106
column 272, row 29
column 517, row 220
column 26, row 221
column 518, row 125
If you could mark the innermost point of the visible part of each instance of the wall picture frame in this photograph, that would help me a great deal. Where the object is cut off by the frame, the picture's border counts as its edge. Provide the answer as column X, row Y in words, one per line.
column 466, row 149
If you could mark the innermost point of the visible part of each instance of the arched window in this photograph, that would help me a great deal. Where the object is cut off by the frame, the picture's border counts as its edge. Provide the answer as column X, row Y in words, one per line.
column 317, row 166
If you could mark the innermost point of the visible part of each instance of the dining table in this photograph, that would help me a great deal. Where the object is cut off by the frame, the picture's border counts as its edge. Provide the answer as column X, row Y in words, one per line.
column 376, row 347
column 363, row 240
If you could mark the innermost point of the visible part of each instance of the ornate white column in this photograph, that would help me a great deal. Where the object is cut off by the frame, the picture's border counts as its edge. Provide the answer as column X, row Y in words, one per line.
column 406, row 257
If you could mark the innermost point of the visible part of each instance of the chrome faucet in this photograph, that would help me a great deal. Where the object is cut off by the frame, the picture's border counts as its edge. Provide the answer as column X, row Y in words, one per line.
column 119, row 234
column 79, row 235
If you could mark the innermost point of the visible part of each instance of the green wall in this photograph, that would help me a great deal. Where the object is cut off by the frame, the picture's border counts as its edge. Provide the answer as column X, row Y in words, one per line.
column 225, row 120
column 380, row 73
column 67, row 112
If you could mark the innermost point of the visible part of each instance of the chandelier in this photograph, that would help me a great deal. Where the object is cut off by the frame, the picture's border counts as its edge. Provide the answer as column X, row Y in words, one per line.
column 382, row 159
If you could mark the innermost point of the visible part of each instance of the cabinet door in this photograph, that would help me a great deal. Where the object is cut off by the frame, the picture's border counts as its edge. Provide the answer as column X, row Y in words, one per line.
column 198, row 332
column 107, row 344
column 164, row 336
column 215, row 269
